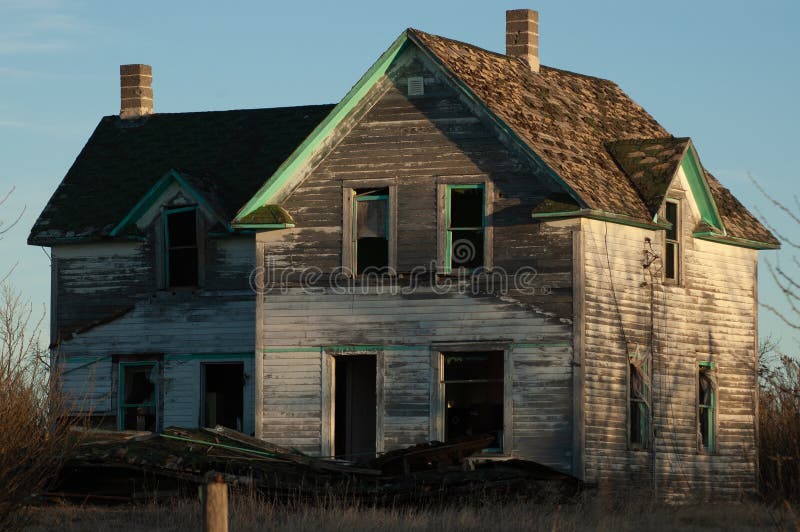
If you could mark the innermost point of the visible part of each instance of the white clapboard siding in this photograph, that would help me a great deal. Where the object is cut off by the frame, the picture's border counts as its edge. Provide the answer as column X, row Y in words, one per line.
column 711, row 316
column 405, row 331
column 87, row 383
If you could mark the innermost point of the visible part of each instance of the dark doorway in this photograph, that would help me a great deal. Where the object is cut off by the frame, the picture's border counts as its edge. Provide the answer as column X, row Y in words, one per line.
column 224, row 395
column 354, row 409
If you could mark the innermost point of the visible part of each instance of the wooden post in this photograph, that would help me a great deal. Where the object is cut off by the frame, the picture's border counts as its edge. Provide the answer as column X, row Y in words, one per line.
column 215, row 506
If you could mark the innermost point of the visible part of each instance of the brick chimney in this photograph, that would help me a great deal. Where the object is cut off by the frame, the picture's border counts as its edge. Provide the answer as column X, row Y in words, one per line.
column 136, row 91
column 522, row 36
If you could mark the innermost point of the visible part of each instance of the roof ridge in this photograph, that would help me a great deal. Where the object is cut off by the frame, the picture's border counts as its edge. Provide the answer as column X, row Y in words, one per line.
column 240, row 110
column 510, row 59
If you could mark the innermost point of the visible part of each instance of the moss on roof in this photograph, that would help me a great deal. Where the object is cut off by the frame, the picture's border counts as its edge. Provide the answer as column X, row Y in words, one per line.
column 266, row 214
column 568, row 119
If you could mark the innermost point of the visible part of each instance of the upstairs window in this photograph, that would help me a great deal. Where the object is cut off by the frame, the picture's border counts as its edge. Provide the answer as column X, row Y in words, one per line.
column 672, row 250
column 181, row 257
column 371, row 229
column 465, row 223
column 638, row 403
column 706, row 406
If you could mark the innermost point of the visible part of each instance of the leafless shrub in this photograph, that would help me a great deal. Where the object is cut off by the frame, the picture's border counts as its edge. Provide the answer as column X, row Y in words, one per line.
column 34, row 423
column 779, row 426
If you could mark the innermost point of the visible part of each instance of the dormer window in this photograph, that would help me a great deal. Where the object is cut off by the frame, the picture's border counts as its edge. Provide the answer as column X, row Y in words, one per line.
column 672, row 250
column 181, row 250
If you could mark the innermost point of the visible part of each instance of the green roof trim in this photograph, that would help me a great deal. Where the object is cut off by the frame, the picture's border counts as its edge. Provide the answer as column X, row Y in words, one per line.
column 595, row 214
column 155, row 192
column 734, row 241
column 284, row 172
column 269, row 191
column 700, row 190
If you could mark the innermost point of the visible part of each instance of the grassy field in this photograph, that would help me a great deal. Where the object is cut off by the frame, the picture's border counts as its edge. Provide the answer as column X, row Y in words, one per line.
column 250, row 514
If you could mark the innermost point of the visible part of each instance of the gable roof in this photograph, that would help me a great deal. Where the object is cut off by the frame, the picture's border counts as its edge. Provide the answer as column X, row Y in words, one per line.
column 650, row 164
column 224, row 155
column 586, row 132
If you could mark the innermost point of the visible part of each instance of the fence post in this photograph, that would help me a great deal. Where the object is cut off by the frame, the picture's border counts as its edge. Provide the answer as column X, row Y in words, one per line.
column 215, row 506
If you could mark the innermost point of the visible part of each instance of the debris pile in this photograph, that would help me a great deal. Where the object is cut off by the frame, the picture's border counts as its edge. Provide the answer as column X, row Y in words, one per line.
column 128, row 466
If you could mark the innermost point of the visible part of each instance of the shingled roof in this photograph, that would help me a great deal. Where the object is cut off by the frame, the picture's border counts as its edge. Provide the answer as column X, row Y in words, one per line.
column 225, row 155
column 569, row 120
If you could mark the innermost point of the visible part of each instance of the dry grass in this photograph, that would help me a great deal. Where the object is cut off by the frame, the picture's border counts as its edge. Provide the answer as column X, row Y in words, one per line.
column 592, row 513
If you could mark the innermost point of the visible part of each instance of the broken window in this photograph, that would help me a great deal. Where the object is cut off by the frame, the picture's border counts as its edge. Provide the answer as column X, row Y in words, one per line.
column 706, row 406
column 473, row 395
column 181, row 245
column 224, row 395
column 371, row 229
column 465, row 226
column 638, row 403
column 672, row 242
column 138, row 393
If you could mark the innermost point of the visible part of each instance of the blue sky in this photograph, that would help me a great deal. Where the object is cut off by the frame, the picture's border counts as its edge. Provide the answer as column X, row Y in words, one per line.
column 723, row 72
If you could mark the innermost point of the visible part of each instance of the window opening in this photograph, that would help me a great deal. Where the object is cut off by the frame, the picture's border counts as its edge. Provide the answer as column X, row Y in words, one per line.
column 181, row 244
column 639, row 402
column 465, row 226
column 224, row 395
column 138, row 396
column 706, row 406
column 473, row 395
column 672, row 243
column 371, row 229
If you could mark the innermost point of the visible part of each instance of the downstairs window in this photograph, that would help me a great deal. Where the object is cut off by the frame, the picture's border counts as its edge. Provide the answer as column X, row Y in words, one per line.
column 706, row 406
column 138, row 396
column 638, row 403
column 473, row 395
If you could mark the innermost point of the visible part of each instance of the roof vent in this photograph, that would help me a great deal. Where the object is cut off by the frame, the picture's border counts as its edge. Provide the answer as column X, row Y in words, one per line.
column 416, row 86
column 522, row 36
column 136, row 91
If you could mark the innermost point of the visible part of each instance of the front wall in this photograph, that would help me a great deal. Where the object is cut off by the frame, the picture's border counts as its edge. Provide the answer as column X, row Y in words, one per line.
column 301, row 330
column 415, row 141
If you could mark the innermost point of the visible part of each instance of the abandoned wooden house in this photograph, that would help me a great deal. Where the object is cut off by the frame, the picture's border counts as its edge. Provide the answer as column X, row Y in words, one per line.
column 467, row 243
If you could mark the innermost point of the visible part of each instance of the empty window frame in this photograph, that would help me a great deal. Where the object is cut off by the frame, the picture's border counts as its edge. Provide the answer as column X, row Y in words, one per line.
column 370, row 232
column 473, row 395
column 138, row 396
column 672, row 251
column 181, row 249
column 465, row 225
column 706, row 406
column 638, row 403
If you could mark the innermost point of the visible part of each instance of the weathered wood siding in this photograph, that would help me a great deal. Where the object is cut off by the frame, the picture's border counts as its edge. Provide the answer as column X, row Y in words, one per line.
column 107, row 303
column 94, row 281
column 710, row 316
column 416, row 142
column 299, row 330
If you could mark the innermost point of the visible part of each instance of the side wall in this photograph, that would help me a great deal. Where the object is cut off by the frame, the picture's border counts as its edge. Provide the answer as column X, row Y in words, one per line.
column 710, row 316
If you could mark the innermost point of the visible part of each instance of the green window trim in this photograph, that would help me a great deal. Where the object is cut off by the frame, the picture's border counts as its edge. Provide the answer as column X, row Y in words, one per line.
column 707, row 411
column 448, row 255
column 354, row 223
column 122, row 405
